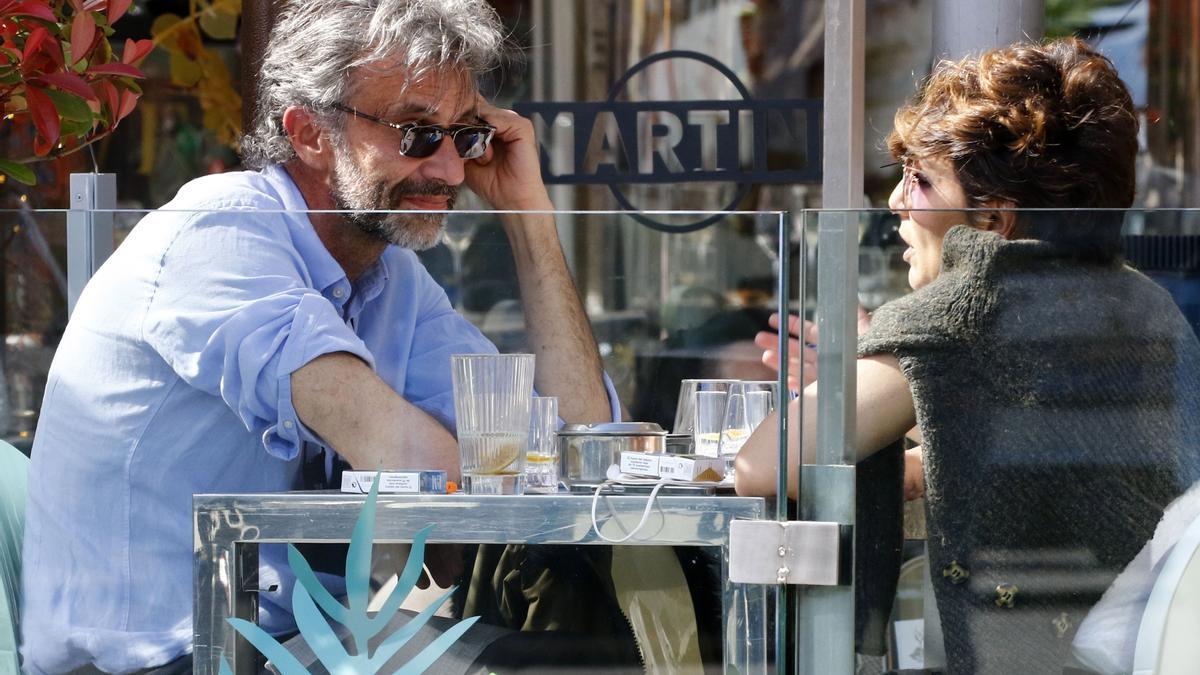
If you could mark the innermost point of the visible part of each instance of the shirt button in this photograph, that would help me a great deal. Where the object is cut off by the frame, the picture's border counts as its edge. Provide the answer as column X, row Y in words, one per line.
column 1006, row 595
column 338, row 292
column 288, row 424
column 1061, row 625
column 956, row 573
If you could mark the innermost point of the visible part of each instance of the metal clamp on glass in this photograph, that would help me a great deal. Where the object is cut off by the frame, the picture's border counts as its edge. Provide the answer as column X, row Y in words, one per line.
column 797, row 552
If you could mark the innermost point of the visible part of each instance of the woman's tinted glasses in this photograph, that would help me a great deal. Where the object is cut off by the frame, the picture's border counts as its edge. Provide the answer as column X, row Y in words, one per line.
column 422, row 140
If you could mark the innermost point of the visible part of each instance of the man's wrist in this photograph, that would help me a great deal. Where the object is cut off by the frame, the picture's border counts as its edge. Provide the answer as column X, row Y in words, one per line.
column 530, row 204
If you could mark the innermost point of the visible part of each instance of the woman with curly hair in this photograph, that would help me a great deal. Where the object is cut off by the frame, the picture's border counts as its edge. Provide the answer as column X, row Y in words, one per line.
column 1057, row 390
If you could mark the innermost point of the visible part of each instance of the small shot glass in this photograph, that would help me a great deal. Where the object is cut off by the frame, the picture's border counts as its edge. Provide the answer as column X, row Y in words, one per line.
column 541, row 461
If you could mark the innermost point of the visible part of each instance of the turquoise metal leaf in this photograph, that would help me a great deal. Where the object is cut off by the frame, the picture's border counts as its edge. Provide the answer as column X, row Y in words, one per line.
column 405, row 583
column 317, row 632
column 397, row 640
column 358, row 578
column 306, row 578
column 436, row 648
column 269, row 647
column 358, row 570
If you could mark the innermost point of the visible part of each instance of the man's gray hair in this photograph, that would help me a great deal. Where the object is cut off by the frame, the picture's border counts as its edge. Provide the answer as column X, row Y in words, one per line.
column 317, row 45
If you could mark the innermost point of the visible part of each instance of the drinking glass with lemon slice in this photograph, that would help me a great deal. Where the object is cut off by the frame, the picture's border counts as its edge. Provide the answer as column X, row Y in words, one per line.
column 492, row 394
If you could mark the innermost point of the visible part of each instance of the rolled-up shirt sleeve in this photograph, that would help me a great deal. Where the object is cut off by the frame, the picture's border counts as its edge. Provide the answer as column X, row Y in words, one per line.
column 234, row 313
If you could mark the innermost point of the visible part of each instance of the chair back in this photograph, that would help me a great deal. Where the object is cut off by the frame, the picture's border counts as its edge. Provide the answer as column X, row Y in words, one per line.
column 14, row 467
column 1167, row 642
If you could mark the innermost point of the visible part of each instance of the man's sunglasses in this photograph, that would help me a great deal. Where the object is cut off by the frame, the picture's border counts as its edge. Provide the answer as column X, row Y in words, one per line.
column 422, row 140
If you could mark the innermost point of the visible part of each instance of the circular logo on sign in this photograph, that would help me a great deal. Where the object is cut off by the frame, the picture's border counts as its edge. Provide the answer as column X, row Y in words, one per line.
column 615, row 91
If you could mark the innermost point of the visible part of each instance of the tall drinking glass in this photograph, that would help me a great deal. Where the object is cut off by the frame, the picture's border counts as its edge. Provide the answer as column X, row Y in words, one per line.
column 541, row 462
column 709, row 417
column 492, row 394
column 736, row 426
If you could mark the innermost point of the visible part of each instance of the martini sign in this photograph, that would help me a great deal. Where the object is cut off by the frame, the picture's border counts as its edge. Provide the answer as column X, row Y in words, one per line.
column 737, row 141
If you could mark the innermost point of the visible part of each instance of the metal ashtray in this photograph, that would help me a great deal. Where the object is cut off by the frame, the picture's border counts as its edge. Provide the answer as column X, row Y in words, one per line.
column 587, row 450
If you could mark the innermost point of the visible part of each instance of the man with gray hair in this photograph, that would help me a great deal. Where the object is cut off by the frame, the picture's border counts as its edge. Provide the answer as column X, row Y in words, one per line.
column 247, row 327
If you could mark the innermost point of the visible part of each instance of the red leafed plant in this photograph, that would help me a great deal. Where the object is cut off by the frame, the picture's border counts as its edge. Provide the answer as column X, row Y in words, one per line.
column 58, row 69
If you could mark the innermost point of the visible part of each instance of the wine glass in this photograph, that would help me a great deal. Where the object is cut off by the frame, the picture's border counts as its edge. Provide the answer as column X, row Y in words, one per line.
column 748, row 404
column 766, row 235
column 457, row 236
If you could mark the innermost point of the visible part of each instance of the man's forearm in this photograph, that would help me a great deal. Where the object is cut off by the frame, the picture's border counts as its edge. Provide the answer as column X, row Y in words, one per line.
column 568, row 362
column 369, row 424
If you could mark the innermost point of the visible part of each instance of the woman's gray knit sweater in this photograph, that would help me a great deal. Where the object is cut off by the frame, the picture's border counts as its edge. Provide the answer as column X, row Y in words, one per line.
column 1059, row 400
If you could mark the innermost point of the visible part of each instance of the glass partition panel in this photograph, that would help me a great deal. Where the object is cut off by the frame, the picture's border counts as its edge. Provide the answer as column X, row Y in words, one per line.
column 1016, row 449
column 663, row 306
column 184, row 362
column 1039, row 372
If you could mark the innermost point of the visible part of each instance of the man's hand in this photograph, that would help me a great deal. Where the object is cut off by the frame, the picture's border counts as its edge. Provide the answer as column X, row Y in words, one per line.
column 806, row 331
column 444, row 562
column 509, row 175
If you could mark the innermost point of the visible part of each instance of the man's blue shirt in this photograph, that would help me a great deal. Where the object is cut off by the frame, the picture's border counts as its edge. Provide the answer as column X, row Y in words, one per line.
column 173, row 378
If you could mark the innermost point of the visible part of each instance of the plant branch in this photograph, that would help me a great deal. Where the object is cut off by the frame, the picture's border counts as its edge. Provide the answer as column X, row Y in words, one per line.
column 59, row 154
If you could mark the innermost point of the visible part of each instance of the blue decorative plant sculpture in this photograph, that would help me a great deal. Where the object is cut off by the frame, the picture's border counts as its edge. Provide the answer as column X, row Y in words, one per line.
column 309, row 594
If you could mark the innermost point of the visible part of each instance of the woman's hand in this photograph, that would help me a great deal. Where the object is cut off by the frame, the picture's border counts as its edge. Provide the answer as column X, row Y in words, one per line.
column 914, row 474
column 797, row 331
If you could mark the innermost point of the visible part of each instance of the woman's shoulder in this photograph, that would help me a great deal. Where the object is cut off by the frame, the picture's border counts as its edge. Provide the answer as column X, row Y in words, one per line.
column 952, row 308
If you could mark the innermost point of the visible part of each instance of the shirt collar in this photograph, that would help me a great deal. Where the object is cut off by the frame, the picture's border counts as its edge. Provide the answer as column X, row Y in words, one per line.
column 325, row 270
column 371, row 283
column 366, row 288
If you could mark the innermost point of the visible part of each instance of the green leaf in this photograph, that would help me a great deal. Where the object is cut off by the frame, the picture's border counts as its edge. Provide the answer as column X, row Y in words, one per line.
column 70, row 106
column 19, row 172
column 78, row 127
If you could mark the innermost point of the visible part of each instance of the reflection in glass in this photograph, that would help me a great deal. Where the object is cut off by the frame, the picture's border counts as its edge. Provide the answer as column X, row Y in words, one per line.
column 457, row 236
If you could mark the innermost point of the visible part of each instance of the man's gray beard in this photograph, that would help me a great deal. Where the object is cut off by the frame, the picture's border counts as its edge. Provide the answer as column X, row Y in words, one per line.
column 354, row 192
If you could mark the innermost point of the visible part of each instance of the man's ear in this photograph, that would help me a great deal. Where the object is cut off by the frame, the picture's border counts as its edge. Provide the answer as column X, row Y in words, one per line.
column 309, row 138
